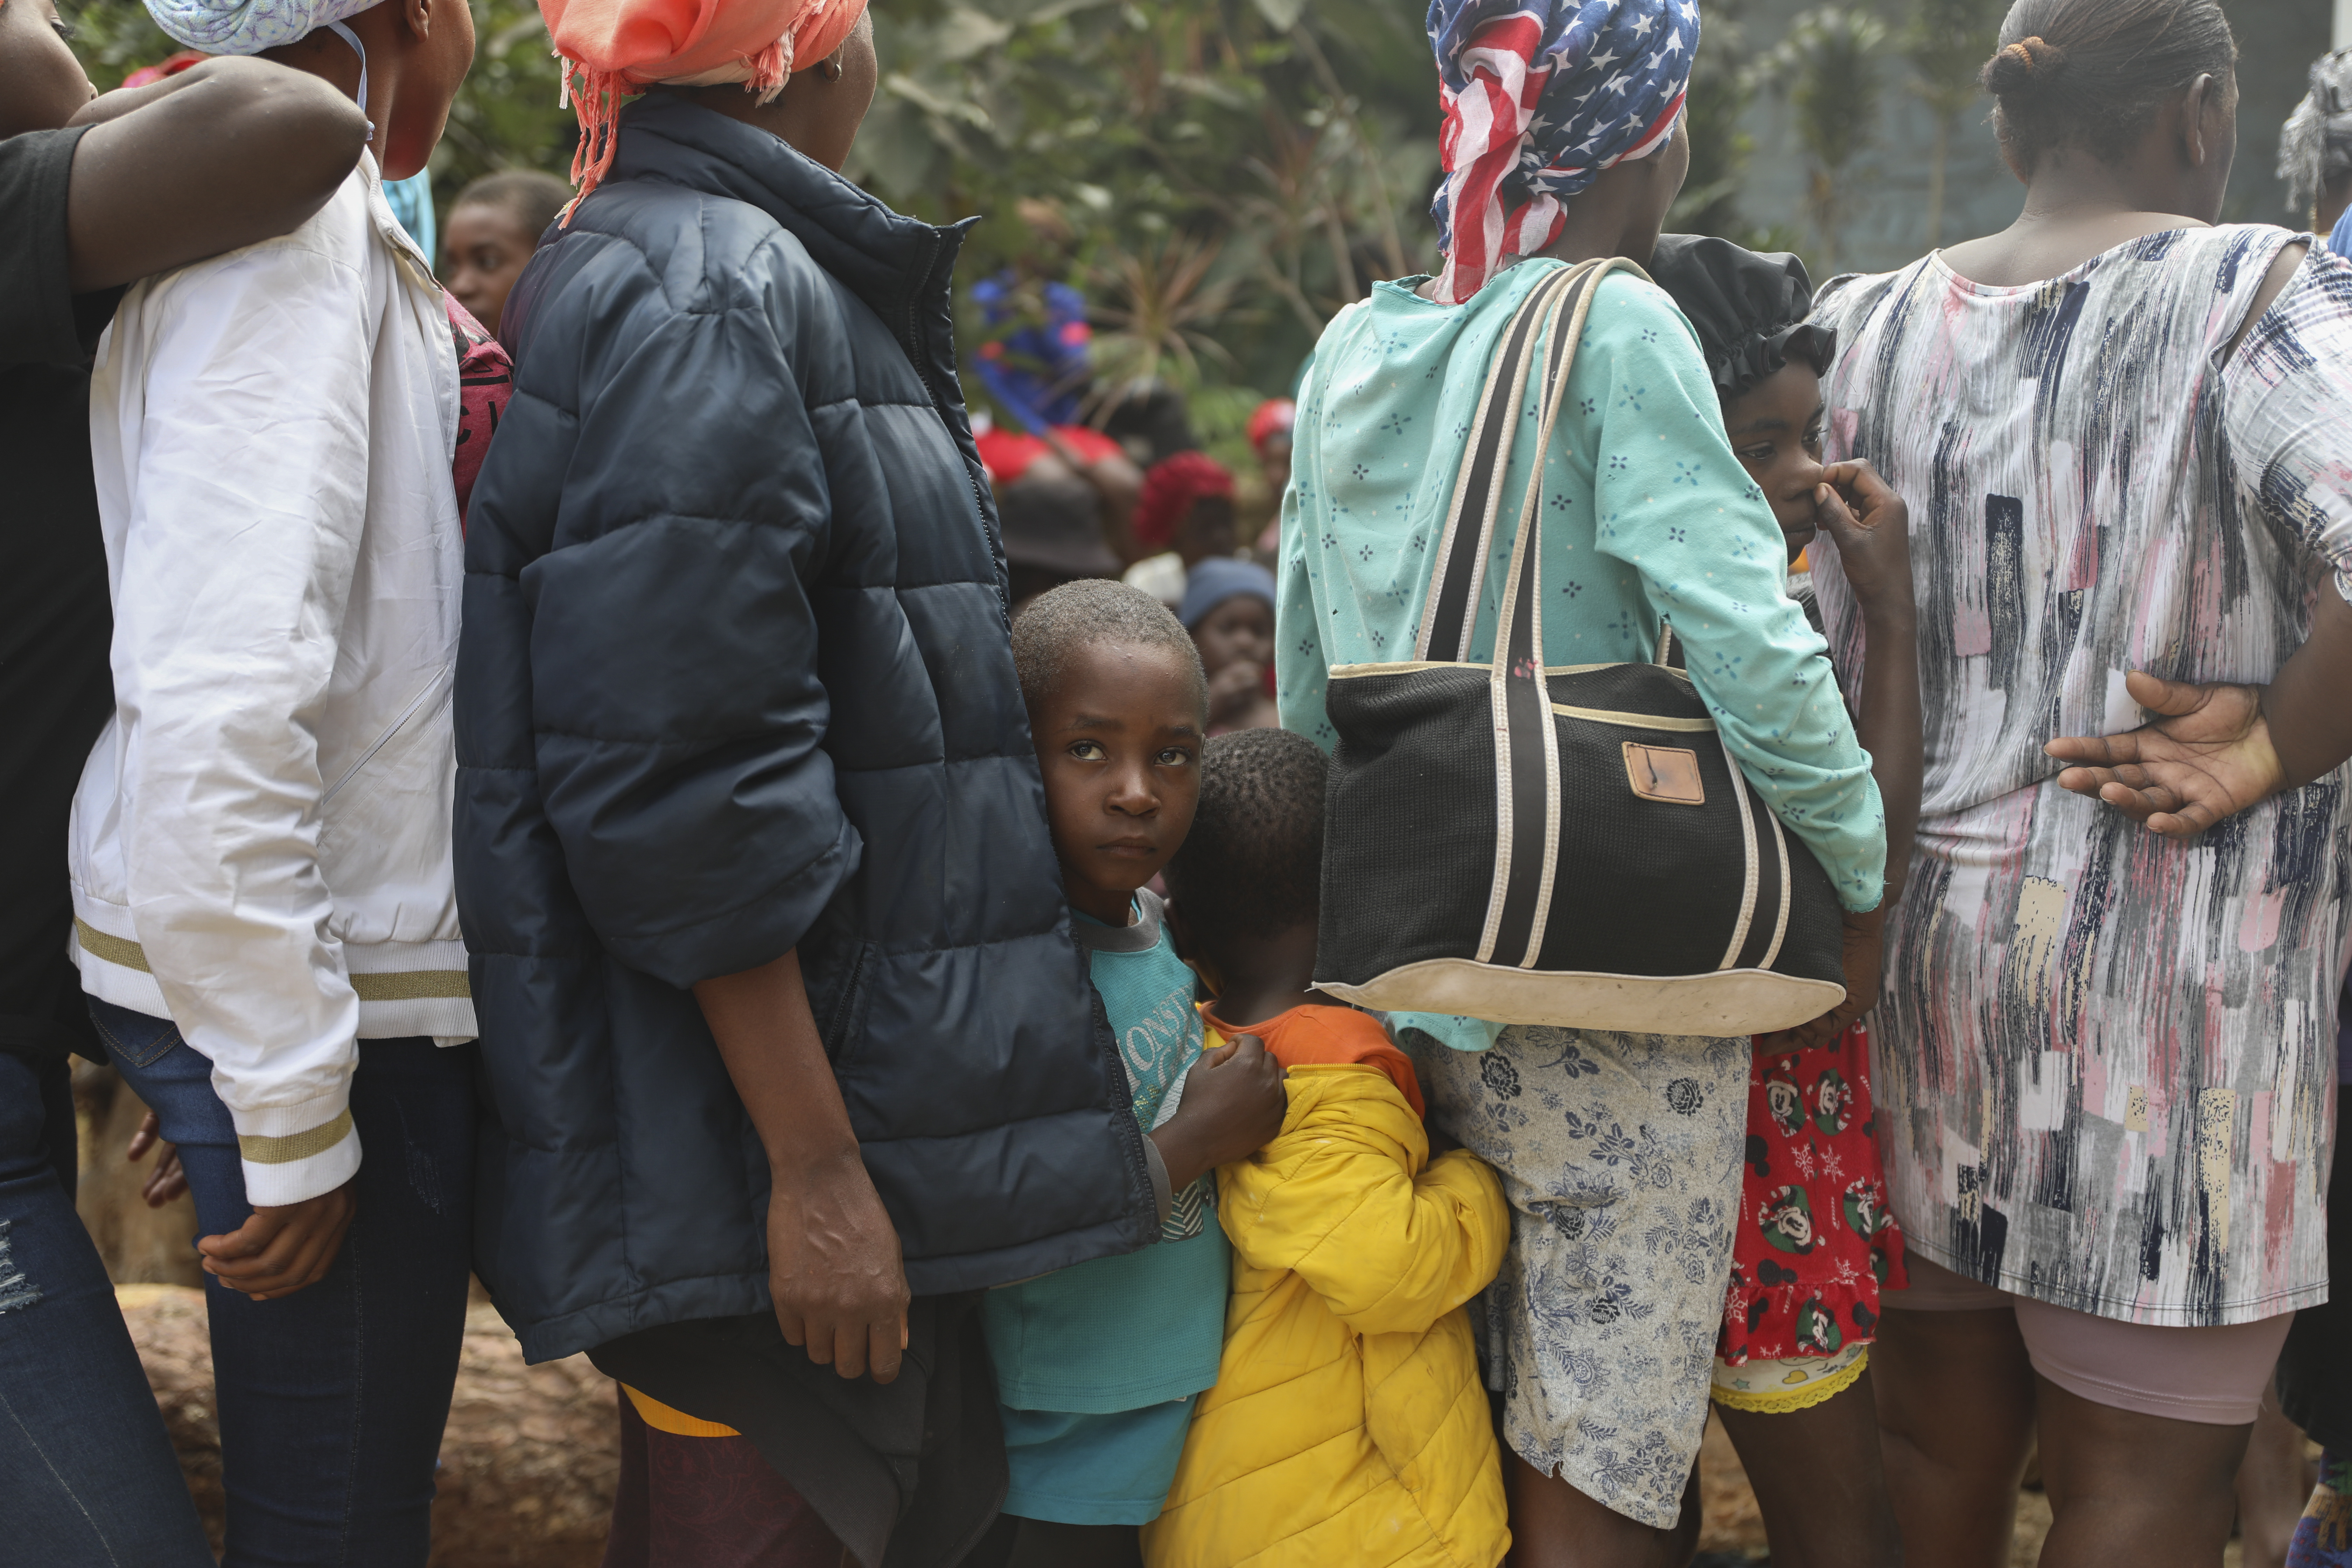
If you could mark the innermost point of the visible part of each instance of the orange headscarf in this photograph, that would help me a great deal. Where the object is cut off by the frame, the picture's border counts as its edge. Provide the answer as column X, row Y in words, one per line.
column 617, row 47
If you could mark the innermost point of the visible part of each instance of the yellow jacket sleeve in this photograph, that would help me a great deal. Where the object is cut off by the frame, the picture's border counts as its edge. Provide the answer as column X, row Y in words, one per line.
column 1342, row 1197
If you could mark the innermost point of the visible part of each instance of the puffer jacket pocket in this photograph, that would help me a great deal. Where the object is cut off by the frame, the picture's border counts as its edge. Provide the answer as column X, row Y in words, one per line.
column 840, row 1005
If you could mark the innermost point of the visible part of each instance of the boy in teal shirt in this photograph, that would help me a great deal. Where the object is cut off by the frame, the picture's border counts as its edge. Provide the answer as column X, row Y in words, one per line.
column 1096, row 1365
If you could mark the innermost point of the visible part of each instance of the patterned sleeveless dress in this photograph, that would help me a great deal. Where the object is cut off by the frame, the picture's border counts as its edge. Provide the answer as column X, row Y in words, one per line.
column 2106, row 1059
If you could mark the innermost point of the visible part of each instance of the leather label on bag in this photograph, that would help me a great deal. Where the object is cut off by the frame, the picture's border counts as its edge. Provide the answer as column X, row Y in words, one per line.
column 1664, row 772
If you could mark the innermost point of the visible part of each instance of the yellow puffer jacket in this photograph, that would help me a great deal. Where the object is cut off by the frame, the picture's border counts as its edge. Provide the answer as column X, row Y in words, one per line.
column 1349, row 1427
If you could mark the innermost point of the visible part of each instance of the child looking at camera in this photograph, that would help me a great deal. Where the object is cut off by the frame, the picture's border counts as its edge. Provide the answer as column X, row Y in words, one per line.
column 1348, row 1422
column 1096, row 1365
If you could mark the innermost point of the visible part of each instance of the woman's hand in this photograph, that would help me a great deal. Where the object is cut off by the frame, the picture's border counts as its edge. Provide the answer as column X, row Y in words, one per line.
column 834, row 1270
column 1872, row 527
column 2209, row 756
column 279, row 1249
column 1860, row 956
column 168, row 1180
column 1235, row 1100
column 227, row 152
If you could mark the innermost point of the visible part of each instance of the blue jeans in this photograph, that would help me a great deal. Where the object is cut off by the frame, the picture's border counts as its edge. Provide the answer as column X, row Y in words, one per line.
column 333, row 1399
column 87, row 1474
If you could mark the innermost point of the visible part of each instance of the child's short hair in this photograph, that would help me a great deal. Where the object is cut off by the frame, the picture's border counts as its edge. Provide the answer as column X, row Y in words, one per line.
column 531, row 198
column 1092, row 611
column 1253, row 863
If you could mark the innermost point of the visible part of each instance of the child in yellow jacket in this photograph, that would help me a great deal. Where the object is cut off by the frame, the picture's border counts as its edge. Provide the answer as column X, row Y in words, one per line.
column 1348, row 1425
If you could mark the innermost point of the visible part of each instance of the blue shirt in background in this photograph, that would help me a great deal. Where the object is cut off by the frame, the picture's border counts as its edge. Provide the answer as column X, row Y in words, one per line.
column 412, row 202
column 1035, row 371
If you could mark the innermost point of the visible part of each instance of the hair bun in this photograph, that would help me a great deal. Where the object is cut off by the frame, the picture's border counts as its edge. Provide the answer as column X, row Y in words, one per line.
column 2022, row 67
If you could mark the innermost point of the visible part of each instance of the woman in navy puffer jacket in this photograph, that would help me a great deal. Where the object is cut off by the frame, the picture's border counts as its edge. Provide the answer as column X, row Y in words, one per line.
column 747, row 809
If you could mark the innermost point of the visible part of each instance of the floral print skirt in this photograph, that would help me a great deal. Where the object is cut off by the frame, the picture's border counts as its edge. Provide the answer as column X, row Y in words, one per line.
column 1816, row 1243
column 1620, row 1154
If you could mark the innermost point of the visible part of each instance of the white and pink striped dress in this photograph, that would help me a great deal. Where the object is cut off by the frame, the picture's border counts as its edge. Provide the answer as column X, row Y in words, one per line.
column 2106, row 1059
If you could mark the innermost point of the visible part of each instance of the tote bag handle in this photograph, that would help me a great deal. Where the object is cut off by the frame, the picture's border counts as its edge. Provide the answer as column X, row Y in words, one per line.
column 1467, row 542
column 1463, row 550
column 1542, row 340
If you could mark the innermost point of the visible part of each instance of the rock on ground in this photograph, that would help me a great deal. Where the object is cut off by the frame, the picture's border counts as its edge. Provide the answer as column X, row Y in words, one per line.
column 528, row 1464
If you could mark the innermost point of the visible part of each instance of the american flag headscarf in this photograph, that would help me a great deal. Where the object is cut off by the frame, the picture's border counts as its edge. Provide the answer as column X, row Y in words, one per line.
column 1540, row 97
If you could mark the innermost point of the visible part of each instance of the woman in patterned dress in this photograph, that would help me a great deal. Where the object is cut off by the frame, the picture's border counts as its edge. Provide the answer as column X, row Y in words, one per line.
column 2106, row 1051
column 1620, row 1152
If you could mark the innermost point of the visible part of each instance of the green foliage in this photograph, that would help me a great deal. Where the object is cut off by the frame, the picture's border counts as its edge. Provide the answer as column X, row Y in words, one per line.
column 504, row 116
column 1219, row 176
column 1827, row 68
column 1722, row 89
column 115, row 38
column 1948, row 42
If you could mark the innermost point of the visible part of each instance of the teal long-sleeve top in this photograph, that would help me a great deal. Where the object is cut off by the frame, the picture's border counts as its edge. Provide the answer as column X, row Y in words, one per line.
column 1647, row 517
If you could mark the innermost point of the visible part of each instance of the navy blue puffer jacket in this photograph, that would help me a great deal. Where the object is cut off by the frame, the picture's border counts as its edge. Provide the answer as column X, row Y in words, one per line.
column 735, row 680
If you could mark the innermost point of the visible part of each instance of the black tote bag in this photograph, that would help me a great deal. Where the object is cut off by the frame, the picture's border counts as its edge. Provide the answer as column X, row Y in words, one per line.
column 1570, row 845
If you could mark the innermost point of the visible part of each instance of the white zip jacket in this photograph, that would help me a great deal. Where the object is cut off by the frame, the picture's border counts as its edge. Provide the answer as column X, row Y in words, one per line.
column 260, row 843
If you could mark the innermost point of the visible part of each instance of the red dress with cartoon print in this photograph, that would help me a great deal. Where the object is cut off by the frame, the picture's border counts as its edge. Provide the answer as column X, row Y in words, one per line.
column 1814, row 1244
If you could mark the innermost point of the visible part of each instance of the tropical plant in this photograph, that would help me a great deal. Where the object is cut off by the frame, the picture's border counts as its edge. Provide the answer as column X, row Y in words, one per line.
column 1230, row 173
column 1219, row 176
column 1947, row 43
column 1722, row 86
column 1156, row 325
column 1827, row 70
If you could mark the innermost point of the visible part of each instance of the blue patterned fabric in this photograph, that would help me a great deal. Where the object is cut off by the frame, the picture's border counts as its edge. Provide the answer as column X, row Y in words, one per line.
column 1620, row 1154
column 2113, row 1051
column 248, row 26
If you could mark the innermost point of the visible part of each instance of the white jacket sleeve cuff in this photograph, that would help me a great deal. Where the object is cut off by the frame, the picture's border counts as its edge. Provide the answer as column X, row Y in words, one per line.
column 293, row 1152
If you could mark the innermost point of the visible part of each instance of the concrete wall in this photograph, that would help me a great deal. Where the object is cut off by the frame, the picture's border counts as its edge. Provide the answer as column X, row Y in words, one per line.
column 1886, row 201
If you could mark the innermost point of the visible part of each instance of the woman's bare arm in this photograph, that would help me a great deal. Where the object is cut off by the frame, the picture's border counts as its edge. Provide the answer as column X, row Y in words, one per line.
column 225, row 153
column 834, row 1268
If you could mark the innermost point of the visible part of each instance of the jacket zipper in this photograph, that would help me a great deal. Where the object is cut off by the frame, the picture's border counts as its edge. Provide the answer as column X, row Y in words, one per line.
column 397, row 725
column 916, row 357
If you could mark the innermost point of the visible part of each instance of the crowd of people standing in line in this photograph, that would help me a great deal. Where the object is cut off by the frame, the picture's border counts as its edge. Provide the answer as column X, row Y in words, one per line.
column 588, row 770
